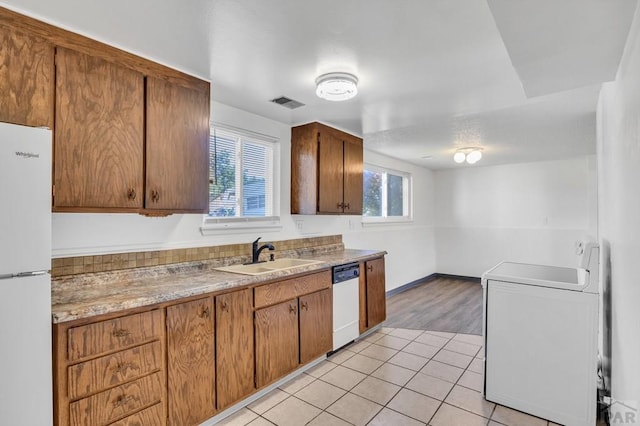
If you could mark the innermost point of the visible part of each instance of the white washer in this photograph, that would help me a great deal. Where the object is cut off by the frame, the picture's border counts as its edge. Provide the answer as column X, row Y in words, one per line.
column 541, row 339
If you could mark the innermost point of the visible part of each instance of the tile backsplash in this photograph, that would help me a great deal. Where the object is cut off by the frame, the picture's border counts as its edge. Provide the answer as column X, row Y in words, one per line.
column 113, row 262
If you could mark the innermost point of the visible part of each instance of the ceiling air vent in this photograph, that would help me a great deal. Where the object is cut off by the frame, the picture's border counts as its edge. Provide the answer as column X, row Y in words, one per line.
column 286, row 102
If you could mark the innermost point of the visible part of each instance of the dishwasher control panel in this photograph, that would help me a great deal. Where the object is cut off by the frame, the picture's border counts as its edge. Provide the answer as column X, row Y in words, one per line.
column 346, row 272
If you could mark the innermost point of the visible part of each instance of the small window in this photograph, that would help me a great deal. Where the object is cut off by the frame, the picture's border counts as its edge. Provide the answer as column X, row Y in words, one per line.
column 241, row 178
column 386, row 195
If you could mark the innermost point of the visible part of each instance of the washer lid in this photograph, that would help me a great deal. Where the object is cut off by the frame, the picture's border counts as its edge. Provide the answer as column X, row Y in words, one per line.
column 574, row 279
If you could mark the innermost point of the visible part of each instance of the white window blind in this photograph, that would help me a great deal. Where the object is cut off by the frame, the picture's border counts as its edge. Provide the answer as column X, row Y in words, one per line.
column 241, row 179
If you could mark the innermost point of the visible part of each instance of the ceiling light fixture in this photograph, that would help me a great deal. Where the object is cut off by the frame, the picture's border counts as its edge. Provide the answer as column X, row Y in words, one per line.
column 337, row 86
column 471, row 154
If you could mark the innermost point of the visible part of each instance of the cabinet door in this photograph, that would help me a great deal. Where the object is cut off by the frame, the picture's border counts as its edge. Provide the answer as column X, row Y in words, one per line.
column 235, row 355
column 177, row 149
column 316, row 325
column 330, row 174
column 98, row 135
column 190, row 362
column 353, row 170
column 362, row 299
column 376, row 296
column 26, row 79
column 276, row 337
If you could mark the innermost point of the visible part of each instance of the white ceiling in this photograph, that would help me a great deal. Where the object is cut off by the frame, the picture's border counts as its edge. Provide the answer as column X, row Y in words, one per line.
column 519, row 78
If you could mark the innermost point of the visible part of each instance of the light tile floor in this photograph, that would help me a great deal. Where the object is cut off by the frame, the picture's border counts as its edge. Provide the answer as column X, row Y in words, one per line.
column 393, row 377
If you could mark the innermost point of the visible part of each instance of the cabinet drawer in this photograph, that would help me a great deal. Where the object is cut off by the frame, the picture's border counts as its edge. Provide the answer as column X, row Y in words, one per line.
column 112, row 335
column 111, row 370
column 105, row 407
column 148, row 416
column 271, row 294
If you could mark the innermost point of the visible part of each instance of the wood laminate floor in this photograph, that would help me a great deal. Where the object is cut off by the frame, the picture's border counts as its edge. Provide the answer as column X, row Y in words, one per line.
column 443, row 304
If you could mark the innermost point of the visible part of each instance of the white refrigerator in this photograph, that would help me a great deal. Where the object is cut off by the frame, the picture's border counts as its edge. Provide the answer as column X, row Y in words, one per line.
column 25, row 283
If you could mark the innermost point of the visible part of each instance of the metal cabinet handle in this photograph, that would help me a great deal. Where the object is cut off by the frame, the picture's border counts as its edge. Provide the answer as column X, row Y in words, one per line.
column 155, row 196
column 224, row 306
column 292, row 309
column 121, row 332
column 340, row 205
column 369, row 267
column 131, row 194
column 304, row 305
column 347, row 206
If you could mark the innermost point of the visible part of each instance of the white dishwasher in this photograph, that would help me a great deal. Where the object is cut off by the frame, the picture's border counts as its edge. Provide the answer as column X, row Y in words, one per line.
column 346, row 306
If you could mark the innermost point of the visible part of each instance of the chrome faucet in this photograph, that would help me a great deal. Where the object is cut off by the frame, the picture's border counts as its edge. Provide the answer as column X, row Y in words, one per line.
column 255, row 252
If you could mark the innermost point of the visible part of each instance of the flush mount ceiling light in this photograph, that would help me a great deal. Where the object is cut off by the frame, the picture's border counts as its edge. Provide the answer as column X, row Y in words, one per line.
column 337, row 86
column 471, row 154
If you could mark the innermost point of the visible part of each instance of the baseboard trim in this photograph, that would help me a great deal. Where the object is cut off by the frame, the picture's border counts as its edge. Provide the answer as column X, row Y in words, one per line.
column 412, row 284
column 427, row 279
column 460, row 277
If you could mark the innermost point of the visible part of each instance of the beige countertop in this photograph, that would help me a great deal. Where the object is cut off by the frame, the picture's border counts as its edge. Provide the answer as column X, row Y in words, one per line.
column 82, row 296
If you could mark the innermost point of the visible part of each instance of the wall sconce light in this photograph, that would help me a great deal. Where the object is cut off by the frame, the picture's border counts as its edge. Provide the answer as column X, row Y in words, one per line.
column 471, row 154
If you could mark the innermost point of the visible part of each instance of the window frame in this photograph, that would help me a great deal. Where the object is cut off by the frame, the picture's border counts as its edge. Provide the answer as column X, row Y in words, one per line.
column 407, row 194
column 212, row 224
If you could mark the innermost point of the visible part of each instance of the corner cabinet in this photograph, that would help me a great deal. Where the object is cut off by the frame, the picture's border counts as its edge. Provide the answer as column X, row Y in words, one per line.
column 326, row 171
column 373, row 300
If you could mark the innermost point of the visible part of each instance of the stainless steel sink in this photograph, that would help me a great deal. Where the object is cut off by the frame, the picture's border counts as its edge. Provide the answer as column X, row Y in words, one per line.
column 266, row 267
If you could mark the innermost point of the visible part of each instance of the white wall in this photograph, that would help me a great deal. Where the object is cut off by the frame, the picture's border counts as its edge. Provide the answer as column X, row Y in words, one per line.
column 619, row 219
column 530, row 212
column 410, row 246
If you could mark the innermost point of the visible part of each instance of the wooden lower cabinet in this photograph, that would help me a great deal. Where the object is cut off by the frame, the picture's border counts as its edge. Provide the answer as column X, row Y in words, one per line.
column 235, row 353
column 182, row 362
column 276, row 334
column 373, row 298
column 110, row 370
column 112, row 404
column 316, row 325
column 190, row 362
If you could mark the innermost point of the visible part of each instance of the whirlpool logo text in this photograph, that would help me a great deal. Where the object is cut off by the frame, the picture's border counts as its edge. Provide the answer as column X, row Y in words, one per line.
column 27, row 154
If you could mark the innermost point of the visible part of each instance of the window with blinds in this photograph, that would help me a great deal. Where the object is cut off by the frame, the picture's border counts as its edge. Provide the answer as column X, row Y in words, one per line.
column 241, row 175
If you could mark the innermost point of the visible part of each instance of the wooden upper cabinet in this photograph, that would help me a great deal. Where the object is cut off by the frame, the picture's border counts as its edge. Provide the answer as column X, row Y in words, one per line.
column 99, row 131
column 326, row 171
column 330, row 173
column 316, row 325
column 234, row 347
column 353, row 175
column 177, row 148
column 191, row 380
column 26, row 79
